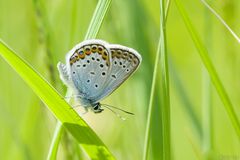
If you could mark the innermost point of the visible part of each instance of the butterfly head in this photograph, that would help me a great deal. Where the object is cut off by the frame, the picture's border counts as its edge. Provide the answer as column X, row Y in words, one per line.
column 97, row 108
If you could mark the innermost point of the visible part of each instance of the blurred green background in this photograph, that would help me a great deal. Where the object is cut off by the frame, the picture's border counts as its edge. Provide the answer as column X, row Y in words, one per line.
column 42, row 32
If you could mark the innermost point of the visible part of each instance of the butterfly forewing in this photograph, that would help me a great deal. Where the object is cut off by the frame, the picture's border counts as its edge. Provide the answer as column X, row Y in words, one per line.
column 89, row 64
column 124, row 61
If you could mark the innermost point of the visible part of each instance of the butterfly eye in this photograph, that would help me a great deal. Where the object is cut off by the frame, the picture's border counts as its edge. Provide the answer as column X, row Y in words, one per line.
column 96, row 107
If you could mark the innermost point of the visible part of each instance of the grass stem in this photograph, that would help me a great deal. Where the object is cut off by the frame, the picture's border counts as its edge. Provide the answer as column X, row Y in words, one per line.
column 164, row 87
column 207, row 110
column 161, row 49
column 52, row 153
column 150, row 106
column 97, row 19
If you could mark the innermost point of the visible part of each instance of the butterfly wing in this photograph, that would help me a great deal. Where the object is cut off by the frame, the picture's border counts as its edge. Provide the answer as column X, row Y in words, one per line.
column 124, row 61
column 88, row 66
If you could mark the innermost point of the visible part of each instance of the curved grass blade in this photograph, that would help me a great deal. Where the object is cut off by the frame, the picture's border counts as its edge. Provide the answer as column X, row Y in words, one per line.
column 94, row 27
column 210, row 68
column 88, row 139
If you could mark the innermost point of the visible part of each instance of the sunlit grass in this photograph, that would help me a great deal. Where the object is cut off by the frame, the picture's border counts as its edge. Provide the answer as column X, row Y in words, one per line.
column 211, row 70
column 164, row 92
column 42, row 32
column 65, row 114
column 93, row 29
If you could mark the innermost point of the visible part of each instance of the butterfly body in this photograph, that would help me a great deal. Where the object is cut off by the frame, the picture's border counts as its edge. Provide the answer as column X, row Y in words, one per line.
column 95, row 68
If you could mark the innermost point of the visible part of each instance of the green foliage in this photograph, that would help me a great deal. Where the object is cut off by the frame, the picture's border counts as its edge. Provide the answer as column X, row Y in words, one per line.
column 42, row 32
column 211, row 70
column 58, row 106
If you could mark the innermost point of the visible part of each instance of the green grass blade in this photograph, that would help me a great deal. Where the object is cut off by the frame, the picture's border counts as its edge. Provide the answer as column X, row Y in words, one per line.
column 210, row 68
column 207, row 109
column 94, row 27
column 150, row 107
column 161, row 52
column 164, row 86
column 57, row 105
column 98, row 16
column 221, row 20
column 52, row 154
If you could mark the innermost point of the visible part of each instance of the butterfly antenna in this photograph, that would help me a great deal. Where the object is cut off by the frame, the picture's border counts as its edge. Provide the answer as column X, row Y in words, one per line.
column 118, row 109
column 117, row 114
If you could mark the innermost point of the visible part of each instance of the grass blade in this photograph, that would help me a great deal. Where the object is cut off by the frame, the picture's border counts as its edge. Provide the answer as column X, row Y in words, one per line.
column 161, row 52
column 57, row 105
column 210, row 68
column 52, row 154
column 150, row 107
column 207, row 109
column 221, row 20
column 94, row 27
column 164, row 86
column 97, row 19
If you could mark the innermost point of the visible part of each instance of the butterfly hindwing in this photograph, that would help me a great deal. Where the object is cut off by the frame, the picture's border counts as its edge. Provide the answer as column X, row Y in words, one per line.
column 89, row 65
column 124, row 61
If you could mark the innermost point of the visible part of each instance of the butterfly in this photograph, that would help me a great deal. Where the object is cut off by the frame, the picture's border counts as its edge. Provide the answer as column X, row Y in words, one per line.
column 95, row 68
